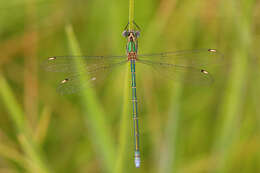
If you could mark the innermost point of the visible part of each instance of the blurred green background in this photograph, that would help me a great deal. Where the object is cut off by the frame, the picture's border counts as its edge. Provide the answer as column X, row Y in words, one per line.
column 183, row 128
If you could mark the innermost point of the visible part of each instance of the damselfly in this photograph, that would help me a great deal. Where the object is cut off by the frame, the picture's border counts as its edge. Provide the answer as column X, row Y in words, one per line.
column 174, row 64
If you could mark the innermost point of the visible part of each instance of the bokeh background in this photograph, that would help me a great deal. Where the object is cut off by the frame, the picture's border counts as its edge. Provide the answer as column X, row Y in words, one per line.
column 183, row 128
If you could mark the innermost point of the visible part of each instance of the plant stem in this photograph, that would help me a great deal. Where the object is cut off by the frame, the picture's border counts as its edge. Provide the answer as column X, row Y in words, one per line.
column 131, row 14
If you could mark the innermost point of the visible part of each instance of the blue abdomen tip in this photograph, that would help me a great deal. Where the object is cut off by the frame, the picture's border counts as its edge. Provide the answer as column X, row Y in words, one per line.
column 137, row 162
column 137, row 159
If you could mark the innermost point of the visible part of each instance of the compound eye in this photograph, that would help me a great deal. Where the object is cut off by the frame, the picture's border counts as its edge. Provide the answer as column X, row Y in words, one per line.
column 137, row 33
column 125, row 33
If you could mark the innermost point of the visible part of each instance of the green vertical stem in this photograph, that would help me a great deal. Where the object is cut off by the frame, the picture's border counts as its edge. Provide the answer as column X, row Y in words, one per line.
column 131, row 14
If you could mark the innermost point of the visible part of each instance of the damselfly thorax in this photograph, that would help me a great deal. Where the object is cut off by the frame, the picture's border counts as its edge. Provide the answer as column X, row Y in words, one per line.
column 132, row 45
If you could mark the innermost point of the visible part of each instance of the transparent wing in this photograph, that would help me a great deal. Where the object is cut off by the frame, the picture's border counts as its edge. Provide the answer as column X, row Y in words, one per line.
column 192, row 66
column 73, row 83
column 181, row 73
column 67, row 63
column 194, row 58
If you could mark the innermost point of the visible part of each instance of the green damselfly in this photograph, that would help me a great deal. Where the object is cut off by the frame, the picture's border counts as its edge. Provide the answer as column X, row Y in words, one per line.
column 172, row 64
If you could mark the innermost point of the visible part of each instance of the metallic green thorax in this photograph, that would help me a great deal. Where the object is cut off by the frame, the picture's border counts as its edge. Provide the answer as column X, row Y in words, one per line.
column 131, row 46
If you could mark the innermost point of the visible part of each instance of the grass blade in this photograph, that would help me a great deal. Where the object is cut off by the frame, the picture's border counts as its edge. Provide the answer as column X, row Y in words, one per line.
column 12, row 106
column 94, row 115
column 35, row 158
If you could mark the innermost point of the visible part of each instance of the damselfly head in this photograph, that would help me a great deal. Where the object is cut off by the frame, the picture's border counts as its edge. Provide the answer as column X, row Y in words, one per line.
column 131, row 33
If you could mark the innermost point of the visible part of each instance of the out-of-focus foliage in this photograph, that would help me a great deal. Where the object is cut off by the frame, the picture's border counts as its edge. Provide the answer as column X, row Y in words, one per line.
column 184, row 128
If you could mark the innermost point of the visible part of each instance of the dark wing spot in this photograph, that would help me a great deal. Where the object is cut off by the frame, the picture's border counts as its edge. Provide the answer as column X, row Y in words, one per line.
column 51, row 58
column 65, row 80
column 212, row 50
column 204, row 71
